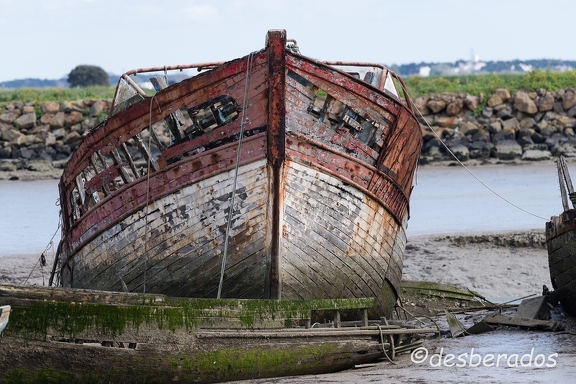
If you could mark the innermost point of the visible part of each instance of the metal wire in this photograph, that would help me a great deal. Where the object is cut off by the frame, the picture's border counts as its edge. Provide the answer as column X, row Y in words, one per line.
column 231, row 208
column 470, row 172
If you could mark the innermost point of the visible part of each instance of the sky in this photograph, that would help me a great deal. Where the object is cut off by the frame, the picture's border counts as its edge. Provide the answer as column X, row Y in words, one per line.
column 46, row 39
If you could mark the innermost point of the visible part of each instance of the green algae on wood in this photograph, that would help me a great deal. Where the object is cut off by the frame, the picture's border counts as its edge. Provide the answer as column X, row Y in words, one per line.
column 229, row 364
column 41, row 316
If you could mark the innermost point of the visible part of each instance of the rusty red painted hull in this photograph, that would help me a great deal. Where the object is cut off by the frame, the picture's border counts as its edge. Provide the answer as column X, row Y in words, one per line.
column 561, row 244
column 283, row 178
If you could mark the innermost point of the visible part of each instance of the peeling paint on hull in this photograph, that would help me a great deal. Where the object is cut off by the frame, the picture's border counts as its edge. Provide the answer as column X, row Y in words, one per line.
column 320, row 193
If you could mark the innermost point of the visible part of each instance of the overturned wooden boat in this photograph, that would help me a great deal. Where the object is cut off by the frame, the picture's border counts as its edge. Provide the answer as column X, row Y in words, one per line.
column 269, row 176
column 561, row 244
column 74, row 335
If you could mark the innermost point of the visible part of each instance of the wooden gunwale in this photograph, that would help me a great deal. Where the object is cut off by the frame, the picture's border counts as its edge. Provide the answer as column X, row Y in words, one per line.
column 363, row 90
column 121, row 127
column 367, row 95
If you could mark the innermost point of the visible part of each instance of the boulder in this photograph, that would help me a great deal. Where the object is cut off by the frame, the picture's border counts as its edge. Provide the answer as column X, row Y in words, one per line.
column 8, row 166
column 46, row 118
column 39, row 166
column 527, row 122
column 564, row 149
column 482, row 135
column 472, row 102
column 468, row 127
column 28, row 109
column 73, row 118
column 508, row 134
column 511, row 123
column 436, row 106
column 447, row 122
column 58, row 121
column 455, row 107
column 26, row 121
column 494, row 100
column 480, row 150
column 59, row 133
column 507, row 150
column 568, row 99
column 460, row 151
column 51, row 107
column 503, row 93
column 9, row 117
column 100, row 106
column 487, row 112
column 546, row 102
column 536, row 155
column 72, row 137
column 14, row 137
column 504, row 111
column 523, row 103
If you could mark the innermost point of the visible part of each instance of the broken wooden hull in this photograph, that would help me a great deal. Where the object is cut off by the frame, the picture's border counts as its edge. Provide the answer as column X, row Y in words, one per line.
column 87, row 336
column 283, row 178
column 561, row 244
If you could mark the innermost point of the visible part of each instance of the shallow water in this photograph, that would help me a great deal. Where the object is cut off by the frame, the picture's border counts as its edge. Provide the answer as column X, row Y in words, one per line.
column 449, row 200
column 29, row 216
column 445, row 200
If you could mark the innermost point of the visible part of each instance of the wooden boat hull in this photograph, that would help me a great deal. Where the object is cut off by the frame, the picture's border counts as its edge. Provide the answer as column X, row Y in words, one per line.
column 87, row 336
column 290, row 180
column 561, row 244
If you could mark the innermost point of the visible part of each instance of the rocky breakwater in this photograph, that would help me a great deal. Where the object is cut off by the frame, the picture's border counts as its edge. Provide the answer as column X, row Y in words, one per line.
column 37, row 140
column 504, row 127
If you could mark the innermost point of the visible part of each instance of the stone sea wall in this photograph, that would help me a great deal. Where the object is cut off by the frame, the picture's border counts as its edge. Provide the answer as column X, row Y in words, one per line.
column 529, row 126
column 519, row 126
column 39, row 138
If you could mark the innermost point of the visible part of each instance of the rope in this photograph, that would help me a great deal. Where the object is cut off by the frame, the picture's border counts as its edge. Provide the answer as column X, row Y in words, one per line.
column 470, row 172
column 384, row 347
column 244, row 106
column 42, row 258
column 148, row 191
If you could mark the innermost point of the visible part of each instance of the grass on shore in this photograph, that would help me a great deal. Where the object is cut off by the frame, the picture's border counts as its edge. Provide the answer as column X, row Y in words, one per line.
column 481, row 84
column 486, row 84
column 40, row 95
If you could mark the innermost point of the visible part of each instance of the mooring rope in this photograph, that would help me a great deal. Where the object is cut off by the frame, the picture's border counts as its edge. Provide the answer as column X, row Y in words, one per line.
column 469, row 171
column 236, row 170
column 42, row 258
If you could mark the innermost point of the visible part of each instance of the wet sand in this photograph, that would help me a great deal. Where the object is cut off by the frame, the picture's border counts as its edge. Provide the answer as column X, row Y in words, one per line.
column 499, row 267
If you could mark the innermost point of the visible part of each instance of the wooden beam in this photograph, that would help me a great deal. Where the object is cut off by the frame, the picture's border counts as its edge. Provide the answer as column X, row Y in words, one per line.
column 276, row 48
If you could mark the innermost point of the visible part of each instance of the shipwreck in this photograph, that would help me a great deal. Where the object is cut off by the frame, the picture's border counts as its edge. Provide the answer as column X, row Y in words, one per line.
column 271, row 176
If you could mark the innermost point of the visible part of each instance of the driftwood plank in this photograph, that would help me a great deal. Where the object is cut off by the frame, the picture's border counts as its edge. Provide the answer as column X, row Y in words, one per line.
column 520, row 322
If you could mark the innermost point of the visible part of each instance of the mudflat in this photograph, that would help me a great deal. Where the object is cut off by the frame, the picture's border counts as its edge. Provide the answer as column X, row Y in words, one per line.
column 498, row 266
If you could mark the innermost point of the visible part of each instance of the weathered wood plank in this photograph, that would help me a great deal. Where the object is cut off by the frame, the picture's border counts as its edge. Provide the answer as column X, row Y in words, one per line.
column 181, row 235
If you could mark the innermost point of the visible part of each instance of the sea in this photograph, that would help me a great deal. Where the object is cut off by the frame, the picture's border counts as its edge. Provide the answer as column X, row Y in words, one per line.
column 445, row 200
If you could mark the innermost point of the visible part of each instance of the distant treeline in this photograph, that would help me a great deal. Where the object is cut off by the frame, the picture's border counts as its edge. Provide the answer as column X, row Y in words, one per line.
column 43, row 83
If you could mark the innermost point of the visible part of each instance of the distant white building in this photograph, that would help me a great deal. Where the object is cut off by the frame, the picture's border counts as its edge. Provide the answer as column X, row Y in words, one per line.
column 424, row 71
